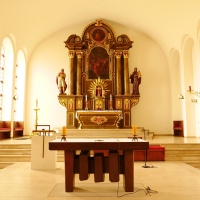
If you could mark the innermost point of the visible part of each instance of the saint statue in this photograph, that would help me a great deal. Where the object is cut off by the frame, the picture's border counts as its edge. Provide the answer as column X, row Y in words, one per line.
column 61, row 83
column 136, row 77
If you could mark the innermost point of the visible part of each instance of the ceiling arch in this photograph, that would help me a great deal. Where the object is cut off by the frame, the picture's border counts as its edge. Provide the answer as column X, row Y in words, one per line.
column 164, row 21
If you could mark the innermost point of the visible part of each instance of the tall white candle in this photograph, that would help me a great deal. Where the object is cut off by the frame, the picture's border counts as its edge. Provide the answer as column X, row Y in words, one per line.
column 111, row 97
column 86, row 97
column 134, row 130
column 64, row 131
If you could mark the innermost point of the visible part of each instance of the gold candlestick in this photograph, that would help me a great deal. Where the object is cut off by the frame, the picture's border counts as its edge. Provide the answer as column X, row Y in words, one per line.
column 36, row 112
column 86, row 105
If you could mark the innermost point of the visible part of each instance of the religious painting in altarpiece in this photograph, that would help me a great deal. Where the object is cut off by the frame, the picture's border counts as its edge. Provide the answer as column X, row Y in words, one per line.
column 99, row 63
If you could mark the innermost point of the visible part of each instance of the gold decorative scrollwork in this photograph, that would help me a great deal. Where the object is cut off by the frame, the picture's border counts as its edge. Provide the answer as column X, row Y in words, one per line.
column 98, row 23
column 110, row 28
column 77, row 39
column 118, row 120
column 119, row 39
column 134, row 102
column 92, row 45
column 79, row 121
column 102, row 23
column 71, row 54
column 126, row 54
column 109, row 36
column 99, row 119
column 97, row 82
column 79, row 54
column 118, row 54
column 87, row 36
column 63, row 102
column 123, row 39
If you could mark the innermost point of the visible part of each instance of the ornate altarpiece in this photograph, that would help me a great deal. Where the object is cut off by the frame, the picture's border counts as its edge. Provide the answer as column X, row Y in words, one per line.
column 99, row 89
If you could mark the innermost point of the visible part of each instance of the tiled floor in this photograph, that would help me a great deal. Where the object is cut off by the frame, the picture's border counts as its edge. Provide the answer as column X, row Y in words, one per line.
column 167, row 181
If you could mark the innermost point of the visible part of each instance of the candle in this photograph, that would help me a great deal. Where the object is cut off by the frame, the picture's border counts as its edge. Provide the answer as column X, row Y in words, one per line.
column 86, row 97
column 189, row 88
column 111, row 97
column 37, row 102
column 64, row 131
column 134, row 130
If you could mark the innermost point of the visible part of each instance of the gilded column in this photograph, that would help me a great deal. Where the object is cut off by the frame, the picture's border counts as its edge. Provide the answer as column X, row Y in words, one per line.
column 126, row 74
column 71, row 75
column 79, row 71
column 118, row 73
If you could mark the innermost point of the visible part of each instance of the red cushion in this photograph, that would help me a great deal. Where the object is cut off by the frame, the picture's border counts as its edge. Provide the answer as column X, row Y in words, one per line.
column 19, row 128
column 156, row 147
column 5, row 128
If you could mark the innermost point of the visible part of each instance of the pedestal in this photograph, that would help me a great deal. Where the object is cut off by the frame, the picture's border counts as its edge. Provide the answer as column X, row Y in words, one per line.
column 41, row 157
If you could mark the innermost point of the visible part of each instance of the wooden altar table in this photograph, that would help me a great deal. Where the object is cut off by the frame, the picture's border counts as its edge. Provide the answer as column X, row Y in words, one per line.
column 119, row 161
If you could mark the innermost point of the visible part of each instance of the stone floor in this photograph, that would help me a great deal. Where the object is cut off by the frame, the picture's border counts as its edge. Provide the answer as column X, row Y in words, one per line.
column 166, row 180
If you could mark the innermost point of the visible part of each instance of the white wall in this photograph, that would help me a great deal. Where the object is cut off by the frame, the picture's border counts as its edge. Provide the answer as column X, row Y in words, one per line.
column 154, row 109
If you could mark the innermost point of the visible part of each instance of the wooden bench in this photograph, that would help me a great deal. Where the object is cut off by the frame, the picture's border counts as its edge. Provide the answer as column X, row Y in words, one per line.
column 156, row 153
column 18, row 129
column 5, row 129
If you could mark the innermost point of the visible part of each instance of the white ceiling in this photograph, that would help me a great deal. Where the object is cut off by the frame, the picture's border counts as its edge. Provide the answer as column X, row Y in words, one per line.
column 166, row 21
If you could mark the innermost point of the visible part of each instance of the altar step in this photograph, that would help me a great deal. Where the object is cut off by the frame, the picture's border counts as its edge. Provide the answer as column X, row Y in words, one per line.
column 5, row 164
column 187, row 153
column 11, row 153
column 108, row 133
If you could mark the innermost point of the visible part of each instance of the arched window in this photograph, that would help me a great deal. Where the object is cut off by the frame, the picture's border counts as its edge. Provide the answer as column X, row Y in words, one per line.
column 19, row 87
column 16, row 96
column 2, row 63
column 7, row 80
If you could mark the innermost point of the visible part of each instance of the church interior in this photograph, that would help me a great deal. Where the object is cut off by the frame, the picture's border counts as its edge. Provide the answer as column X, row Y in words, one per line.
column 100, row 69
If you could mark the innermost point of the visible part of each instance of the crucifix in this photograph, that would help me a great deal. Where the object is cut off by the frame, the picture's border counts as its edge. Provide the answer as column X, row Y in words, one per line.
column 99, row 90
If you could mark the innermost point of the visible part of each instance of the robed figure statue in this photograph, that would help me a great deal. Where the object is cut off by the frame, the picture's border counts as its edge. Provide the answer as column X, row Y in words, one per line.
column 61, row 83
column 136, row 77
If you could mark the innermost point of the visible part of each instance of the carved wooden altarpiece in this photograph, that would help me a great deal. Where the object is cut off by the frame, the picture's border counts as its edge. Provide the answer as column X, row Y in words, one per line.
column 99, row 79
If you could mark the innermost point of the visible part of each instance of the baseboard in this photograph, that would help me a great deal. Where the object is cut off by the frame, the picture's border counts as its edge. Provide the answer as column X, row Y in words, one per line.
column 163, row 134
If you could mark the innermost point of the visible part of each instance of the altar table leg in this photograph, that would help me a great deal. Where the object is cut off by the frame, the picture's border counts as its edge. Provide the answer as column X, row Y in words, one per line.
column 128, row 171
column 83, row 165
column 113, row 161
column 69, row 171
column 98, row 168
